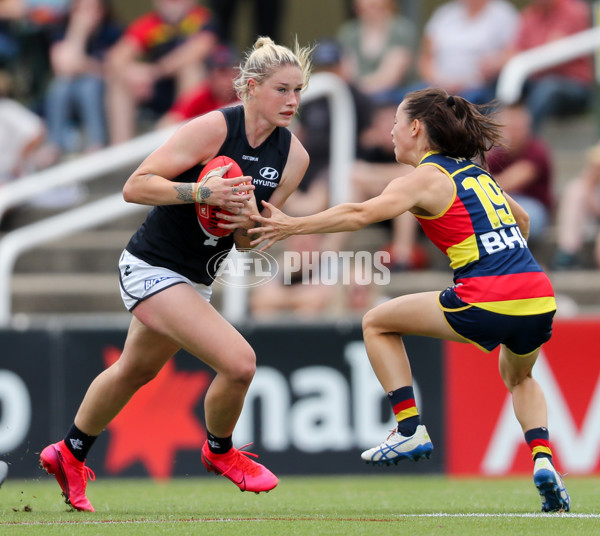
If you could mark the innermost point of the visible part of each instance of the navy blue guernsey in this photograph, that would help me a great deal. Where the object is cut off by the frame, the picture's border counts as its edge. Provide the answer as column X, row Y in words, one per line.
column 171, row 236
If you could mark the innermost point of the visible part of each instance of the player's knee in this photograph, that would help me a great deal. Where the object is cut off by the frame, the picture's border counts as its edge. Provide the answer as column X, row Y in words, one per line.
column 247, row 369
column 370, row 323
column 513, row 379
column 136, row 377
column 244, row 368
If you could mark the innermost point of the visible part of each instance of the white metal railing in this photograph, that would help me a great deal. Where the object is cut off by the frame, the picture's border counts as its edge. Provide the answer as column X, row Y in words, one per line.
column 89, row 167
column 521, row 66
column 83, row 169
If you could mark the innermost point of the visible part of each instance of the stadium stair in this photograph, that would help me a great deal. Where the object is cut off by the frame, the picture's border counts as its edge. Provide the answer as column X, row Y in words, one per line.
column 77, row 274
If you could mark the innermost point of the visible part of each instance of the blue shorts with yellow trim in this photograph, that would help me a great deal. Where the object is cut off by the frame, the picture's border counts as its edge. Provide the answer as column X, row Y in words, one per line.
column 520, row 334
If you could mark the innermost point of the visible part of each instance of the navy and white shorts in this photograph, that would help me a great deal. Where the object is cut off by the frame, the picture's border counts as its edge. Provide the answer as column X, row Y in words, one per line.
column 486, row 329
column 139, row 280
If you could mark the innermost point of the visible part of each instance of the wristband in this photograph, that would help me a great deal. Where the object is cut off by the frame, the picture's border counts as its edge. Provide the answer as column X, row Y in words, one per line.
column 200, row 184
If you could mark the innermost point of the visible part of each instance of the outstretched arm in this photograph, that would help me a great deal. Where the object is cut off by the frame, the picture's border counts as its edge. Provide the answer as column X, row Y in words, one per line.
column 344, row 217
column 425, row 189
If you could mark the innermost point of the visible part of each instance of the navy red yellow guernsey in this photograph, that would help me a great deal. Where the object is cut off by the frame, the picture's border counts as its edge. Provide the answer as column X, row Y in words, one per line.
column 493, row 267
column 156, row 37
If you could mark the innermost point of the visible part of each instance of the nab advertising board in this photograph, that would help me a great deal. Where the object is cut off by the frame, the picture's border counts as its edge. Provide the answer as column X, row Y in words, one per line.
column 313, row 406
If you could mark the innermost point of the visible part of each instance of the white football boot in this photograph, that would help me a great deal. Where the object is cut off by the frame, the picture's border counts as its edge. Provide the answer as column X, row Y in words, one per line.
column 397, row 447
column 553, row 492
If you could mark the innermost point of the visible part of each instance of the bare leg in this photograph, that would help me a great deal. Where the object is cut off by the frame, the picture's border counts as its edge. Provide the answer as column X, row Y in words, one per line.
column 528, row 398
column 383, row 327
column 145, row 353
column 175, row 318
column 403, row 239
column 197, row 327
column 571, row 216
column 121, row 110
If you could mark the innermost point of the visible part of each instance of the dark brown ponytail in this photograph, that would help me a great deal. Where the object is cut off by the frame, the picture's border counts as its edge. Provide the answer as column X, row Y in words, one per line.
column 454, row 126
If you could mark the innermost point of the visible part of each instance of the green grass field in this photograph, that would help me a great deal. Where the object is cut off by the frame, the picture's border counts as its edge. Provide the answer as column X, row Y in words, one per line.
column 302, row 506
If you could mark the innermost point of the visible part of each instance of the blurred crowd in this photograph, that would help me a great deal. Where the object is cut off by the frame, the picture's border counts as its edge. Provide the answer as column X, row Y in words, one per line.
column 74, row 79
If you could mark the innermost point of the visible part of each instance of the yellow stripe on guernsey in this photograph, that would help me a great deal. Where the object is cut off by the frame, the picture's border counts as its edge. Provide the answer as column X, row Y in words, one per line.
column 466, row 251
column 406, row 413
column 463, row 253
column 528, row 306
column 537, row 450
column 445, row 172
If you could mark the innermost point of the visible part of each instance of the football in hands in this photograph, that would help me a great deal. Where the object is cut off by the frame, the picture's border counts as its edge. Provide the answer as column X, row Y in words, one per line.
column 207, row 214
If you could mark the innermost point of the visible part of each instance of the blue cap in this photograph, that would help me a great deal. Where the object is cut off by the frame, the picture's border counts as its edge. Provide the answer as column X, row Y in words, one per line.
column 222, row 56
column 327, row 52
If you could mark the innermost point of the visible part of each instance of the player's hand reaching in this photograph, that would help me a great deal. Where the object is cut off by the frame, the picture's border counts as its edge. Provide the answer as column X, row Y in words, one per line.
column 241, row 218
column 272, row 229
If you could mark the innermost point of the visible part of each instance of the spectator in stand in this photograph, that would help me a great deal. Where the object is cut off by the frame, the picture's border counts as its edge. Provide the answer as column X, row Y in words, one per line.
column 566, row 88
column 27, row 26
column 76, row 92
column 45, row 11
column 578, row 210
column 299, row 291
column 523, row 167
column 216, row 91
column 22, row 132
column 314, row 130
column 10, row 11
column 379, row 47
column 464, row 46
column 159, row 57
column 267, row 18
column 373, row 170
column 304, row 295
column 308, row 286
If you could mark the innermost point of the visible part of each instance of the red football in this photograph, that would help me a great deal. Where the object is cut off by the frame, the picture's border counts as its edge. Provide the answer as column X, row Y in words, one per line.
column 207, row 214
